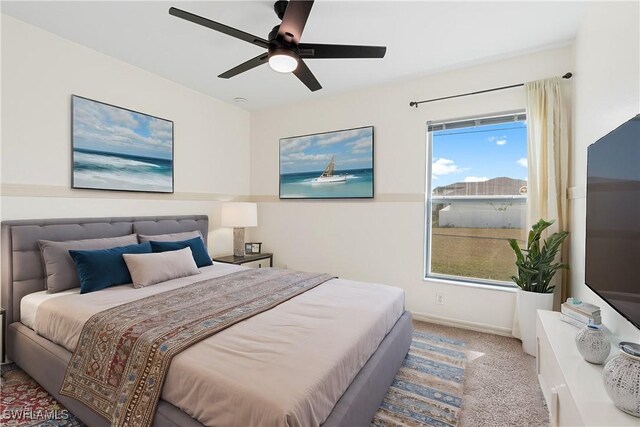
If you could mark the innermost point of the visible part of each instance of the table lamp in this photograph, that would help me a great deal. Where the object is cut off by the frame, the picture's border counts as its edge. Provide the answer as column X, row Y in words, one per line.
column 239, row 215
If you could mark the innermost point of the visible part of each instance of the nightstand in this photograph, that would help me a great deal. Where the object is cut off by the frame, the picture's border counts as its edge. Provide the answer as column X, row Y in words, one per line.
column 4, row 332
column 248, row 258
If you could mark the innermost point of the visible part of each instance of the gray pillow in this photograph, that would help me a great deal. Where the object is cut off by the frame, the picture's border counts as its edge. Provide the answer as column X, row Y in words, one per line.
column 60, row 270
column 172, row 237
column 149, row 269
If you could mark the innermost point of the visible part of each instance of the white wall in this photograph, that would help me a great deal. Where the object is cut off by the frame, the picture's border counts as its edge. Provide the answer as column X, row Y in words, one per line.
column 40, row 72
column 482, row 215
column 606, row 94
column 381, row 240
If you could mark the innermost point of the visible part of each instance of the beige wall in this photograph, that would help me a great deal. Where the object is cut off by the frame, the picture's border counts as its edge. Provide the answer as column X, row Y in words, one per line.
column 40, row 71
column 606, row 94
column 381, row 240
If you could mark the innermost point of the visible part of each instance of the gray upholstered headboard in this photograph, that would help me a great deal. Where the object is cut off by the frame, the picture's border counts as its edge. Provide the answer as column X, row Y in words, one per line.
column 22, row 269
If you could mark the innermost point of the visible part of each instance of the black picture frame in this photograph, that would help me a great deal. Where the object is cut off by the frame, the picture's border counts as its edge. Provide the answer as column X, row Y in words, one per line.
column 148, row 173
column 299, row 185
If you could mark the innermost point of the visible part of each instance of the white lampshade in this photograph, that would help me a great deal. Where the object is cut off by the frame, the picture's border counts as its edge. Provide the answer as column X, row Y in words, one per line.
column 239, row 214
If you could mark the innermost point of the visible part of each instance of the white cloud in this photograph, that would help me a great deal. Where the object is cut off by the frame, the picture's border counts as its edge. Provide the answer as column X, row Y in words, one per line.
column 476, row 179
column 323, row 140
column 122, row 117
column 361, row 146
column 445, row 167
column 499, row 140
column 304, row 157
column 100, row 126
column 294, row 145
column 161, row 129
column 522, row 162
column 358, row 160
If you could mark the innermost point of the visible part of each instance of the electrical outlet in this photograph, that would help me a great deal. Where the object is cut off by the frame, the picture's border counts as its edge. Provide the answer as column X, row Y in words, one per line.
column 439, row 298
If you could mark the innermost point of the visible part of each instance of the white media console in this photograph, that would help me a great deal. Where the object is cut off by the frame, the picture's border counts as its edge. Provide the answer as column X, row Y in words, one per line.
column 572, row 386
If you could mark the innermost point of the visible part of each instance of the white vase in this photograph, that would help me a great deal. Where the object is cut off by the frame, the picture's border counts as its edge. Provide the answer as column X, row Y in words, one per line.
column 528, row 303
column 593, row 344
column 621, row 378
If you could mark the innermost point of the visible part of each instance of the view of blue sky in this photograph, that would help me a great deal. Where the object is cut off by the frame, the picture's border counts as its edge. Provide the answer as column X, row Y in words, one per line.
column 110, row 129
column 352, row 149
column 479, row 153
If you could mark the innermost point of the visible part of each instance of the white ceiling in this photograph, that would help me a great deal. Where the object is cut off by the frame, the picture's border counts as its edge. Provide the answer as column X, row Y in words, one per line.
column 422, row 37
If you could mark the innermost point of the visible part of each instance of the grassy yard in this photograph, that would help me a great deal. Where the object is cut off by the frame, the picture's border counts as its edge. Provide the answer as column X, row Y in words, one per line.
column 474, row 252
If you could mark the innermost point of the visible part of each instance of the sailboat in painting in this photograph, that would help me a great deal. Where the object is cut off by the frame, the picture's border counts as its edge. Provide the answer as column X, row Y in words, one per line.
column 328, row 177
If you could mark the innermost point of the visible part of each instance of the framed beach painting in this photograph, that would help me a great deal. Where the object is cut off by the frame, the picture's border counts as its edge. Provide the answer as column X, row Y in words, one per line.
column 114, row 148
column 330, row 165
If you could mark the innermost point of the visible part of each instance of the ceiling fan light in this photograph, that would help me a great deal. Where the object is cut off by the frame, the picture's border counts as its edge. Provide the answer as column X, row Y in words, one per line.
column 283, row 61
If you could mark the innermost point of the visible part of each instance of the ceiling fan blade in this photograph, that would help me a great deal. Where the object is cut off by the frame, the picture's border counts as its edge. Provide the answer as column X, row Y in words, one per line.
column 246, row 66
column 294, row 20
column 306, row 76
column 328, row 51
column 225, row 29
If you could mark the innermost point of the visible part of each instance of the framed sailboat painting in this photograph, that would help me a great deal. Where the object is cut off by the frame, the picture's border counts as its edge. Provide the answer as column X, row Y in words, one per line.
column 330, row 165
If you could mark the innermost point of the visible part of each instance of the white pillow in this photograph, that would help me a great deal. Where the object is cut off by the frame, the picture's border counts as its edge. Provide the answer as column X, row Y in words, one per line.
column 149, row 269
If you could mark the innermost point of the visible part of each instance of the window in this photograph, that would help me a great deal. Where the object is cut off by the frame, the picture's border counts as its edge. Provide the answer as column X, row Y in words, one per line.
column 476, row 197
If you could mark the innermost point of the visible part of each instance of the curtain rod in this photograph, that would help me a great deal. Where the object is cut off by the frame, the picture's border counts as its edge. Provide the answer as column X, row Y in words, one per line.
column 416, row 103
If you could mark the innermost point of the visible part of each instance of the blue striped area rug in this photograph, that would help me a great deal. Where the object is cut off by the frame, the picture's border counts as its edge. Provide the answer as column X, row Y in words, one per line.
column 427, row 390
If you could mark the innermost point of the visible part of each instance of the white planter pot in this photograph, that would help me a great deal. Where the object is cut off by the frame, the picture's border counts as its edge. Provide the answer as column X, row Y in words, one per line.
column 527, row 305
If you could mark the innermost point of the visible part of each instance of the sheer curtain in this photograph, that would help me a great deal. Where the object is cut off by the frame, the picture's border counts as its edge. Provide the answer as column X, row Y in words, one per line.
column 548, row 164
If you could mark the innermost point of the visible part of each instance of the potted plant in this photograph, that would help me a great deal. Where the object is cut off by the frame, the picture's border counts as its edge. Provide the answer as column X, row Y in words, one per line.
column 536, row 267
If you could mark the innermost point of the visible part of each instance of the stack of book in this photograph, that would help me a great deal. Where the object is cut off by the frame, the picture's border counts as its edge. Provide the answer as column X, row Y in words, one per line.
column 580, row 314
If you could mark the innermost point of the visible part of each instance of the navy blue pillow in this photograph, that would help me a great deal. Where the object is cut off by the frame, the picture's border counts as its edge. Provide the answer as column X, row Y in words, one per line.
column 103, row 268
column 200, row 255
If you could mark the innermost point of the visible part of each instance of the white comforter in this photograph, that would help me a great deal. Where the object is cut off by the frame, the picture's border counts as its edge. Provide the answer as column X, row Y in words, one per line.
column 285, row 367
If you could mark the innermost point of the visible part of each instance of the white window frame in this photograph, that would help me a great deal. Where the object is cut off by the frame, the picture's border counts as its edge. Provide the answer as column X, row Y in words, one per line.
column 518, row 115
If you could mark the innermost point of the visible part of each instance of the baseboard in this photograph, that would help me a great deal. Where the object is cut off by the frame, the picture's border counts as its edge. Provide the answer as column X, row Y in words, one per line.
column 474, row 326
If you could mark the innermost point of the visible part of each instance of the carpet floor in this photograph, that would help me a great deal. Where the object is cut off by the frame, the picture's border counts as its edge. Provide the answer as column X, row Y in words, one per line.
column 427, row 390
column 23, row 403
column 500, row 382
column 500, row 386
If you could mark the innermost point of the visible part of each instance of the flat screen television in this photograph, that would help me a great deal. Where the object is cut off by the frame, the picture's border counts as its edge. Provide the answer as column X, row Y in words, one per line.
column 612, row 264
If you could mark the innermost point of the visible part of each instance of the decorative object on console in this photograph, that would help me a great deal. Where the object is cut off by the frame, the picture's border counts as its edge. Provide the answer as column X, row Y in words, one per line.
column 239, row 215
column 330, row 165
column 593, row 344
column 116, row 148
column 582, row 312
column 536, row 268
column 621, row 377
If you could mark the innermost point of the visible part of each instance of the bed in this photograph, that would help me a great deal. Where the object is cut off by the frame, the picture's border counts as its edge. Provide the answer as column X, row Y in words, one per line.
column 45, row 355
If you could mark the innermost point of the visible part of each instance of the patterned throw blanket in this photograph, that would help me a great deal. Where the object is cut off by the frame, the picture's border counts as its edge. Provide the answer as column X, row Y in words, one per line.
column 123, row 353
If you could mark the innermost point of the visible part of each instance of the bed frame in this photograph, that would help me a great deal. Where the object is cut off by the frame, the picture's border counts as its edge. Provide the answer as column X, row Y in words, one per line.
column 46, row 362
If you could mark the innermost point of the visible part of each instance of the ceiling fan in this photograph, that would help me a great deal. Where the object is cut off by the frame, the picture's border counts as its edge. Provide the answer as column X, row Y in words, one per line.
column 285, row 53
